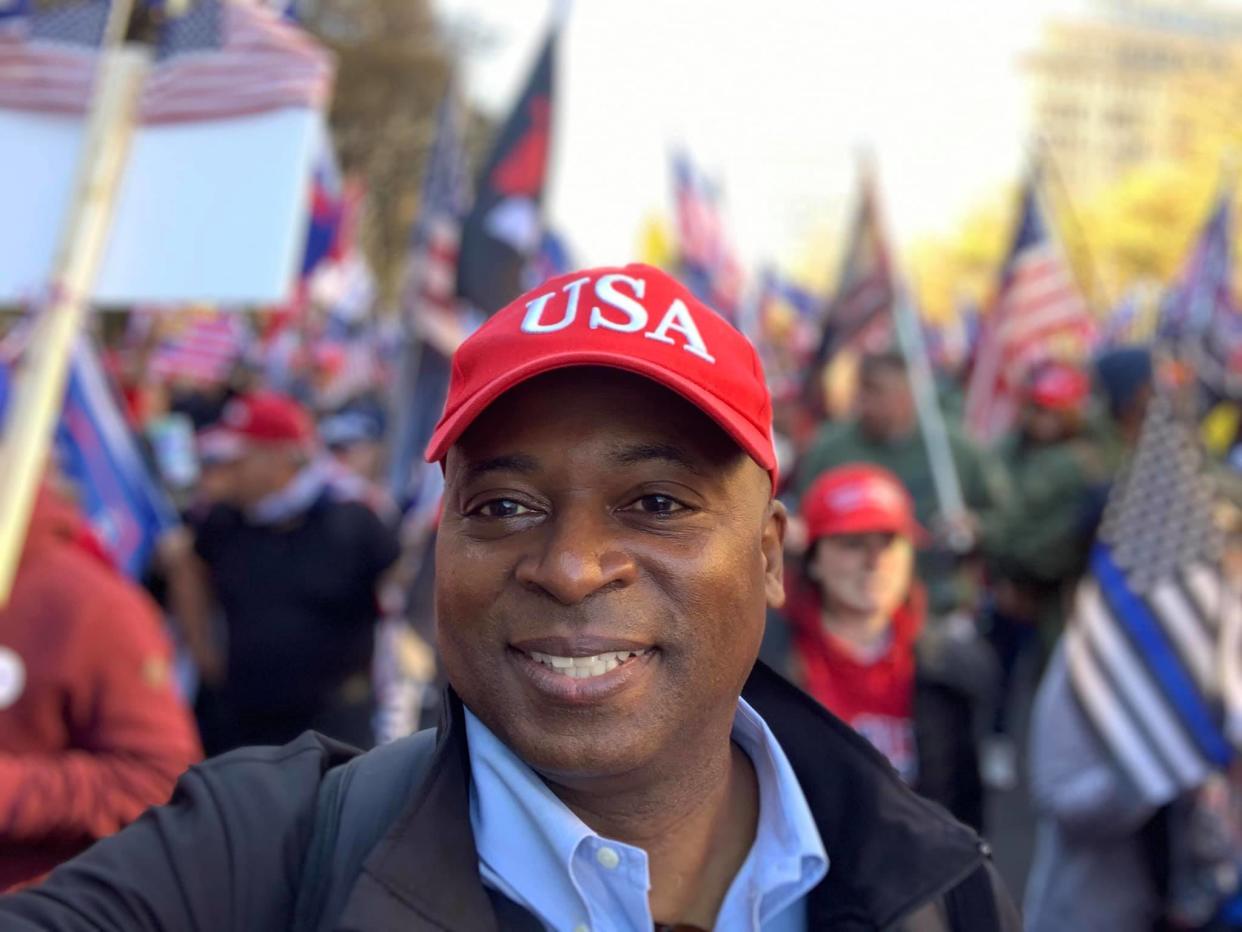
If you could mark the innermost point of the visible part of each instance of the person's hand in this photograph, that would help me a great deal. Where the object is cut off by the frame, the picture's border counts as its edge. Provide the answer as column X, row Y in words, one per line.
column 958, row 532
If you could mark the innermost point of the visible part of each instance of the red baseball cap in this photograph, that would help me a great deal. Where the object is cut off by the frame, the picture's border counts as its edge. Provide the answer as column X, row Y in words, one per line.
column 859, row 499
column 265, row 418
column 218, row 444
column 635, row 318
column 1058, row 386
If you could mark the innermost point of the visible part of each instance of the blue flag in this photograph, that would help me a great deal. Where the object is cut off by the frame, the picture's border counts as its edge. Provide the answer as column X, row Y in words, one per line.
column 98, row 453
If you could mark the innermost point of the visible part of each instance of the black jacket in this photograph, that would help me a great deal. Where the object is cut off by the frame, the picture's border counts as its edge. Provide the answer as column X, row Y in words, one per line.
column 227, row 852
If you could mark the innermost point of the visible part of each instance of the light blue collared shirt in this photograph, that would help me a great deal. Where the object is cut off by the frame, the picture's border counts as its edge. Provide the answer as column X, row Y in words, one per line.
column 538, row 853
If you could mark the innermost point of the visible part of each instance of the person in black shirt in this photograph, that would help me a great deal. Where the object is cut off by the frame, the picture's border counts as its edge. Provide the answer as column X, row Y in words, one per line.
column 293, row 567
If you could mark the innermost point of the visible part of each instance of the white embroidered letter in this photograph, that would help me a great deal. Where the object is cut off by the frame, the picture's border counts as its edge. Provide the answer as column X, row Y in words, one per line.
column 533, row 323
column 606, row 291
column 678, row 318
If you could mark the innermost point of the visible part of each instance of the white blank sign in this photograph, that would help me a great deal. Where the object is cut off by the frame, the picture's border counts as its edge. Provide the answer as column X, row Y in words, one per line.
column 207, row 212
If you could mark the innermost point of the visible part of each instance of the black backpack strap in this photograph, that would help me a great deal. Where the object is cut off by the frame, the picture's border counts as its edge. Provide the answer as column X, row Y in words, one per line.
column 357, row 804
column 971, row 904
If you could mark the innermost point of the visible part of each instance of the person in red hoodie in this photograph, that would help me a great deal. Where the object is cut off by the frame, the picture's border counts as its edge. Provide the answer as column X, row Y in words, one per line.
column 855, row 626
column 92, row 731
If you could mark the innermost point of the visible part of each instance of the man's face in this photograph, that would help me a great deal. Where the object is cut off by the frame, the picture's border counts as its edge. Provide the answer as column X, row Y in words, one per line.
column 863, row 573
column 261, row 470
column 885, row 403
column 590, row 513
column 1042, row 425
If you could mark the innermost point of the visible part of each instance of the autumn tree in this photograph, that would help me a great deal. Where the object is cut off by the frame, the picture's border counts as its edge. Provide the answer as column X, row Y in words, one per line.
column 393, row 66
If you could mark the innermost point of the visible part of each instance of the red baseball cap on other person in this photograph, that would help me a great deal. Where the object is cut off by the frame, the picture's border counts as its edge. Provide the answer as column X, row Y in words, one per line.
column 1058, row 386
column 859, row 499
column 635, row 318
column 265, row 418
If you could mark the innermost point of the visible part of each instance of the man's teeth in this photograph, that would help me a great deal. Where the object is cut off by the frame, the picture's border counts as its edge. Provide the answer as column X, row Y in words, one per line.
column 582, row 667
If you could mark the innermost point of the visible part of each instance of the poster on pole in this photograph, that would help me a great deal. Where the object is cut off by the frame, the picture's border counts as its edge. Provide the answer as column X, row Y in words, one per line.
column 208, row 211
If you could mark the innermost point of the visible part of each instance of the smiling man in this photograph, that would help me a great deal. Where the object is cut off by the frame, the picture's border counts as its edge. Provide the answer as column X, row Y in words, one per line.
column 612, row 757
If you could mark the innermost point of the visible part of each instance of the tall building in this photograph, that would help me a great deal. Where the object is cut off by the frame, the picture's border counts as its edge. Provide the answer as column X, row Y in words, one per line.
column 1110, row 90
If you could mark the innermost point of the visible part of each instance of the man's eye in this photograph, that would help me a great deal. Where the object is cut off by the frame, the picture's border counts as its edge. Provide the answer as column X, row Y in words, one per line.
column 502, row 508
column 658, row 505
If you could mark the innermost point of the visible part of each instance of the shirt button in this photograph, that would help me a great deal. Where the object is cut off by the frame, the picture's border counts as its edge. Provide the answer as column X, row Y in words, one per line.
column 608, row 858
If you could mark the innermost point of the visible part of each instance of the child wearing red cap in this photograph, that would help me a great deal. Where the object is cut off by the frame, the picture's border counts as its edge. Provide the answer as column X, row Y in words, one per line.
column 855, row 613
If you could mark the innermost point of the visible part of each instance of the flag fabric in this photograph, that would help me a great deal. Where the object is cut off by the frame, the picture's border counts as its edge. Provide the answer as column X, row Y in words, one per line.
column 1199, row 316
column 13, row 8
column 552, row 259
column 430, row 306
column 784, row 330
column 706, row 261
column 503, row 230
column 204, row 346
column 122, row 500
column 224, row 59
column 218, row 60
column 435, row 319
column 97, row 452
column 1150, row 648
column 47, row 58
column 861, row 308
column 328, row 206
column 860, row 313
column 1038, row 313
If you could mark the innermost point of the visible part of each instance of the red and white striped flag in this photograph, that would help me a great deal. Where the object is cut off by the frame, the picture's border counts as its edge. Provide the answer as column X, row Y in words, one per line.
column 217, row 61
column 204, row 348
column 1039, row 313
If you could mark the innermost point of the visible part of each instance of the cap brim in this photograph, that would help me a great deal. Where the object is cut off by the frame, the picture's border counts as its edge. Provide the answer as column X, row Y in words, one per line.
column 756, row 443
column 219, row 445
column 867, row 524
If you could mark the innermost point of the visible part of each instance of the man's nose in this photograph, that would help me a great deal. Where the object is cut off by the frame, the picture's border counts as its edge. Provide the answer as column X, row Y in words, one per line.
column 580, row 554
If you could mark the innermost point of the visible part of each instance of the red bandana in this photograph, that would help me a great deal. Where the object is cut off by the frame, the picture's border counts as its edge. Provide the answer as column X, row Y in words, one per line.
column 874, row 696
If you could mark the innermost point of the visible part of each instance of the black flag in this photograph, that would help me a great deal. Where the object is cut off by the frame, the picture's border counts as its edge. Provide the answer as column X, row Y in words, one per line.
column 504, row 228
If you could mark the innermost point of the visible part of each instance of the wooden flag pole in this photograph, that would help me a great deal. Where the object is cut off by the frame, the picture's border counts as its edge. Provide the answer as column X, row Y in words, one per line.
column 40, row 382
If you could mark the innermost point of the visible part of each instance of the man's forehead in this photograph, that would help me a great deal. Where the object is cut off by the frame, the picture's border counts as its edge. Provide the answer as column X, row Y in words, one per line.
column 609, row 416
column 616, row 452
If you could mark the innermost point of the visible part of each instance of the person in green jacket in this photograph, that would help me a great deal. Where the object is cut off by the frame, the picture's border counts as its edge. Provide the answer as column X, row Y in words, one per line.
column 885, row 432
column 1037, row 545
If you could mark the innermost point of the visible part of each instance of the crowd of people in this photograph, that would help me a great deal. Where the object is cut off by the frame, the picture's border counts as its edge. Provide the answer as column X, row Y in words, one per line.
column 293, row 595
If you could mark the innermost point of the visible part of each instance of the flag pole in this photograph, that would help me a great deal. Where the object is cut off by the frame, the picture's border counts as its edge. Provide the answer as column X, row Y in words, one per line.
column 931, row 419
column 40, row 381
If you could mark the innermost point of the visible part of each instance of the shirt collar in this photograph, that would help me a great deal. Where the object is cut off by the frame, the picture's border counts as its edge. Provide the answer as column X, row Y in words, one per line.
column 527, row 839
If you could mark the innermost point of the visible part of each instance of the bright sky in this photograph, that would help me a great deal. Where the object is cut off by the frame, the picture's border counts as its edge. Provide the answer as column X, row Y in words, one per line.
column 774, row 100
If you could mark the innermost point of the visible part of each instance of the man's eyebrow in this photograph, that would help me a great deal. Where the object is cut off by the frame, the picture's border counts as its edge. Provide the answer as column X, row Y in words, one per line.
column 514, row 462
column 634, row 453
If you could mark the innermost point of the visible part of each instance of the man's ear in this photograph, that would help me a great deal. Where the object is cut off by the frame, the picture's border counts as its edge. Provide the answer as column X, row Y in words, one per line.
column 774, row 524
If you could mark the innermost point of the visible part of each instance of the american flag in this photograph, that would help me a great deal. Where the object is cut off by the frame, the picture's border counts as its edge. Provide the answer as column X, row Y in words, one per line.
column 432, row 309
column 204, row 348
column 709, row 267
column 1199, row 315
column 219, row 60
column 860, row 311
column 47, row 59
column 1152, row 648
column 1039, row 312
column 436, row 318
